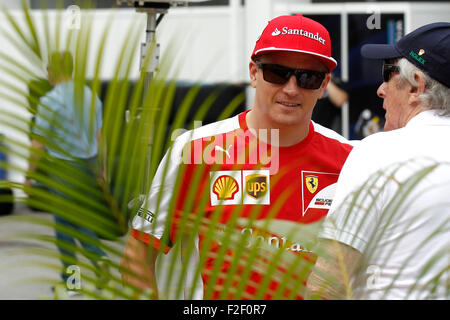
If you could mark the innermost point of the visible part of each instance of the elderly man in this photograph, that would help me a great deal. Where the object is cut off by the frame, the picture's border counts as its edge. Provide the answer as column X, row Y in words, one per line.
column 387, row 233
column 269, row 162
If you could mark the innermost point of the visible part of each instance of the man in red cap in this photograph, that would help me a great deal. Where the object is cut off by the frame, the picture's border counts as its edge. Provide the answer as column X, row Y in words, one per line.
column 234, row 193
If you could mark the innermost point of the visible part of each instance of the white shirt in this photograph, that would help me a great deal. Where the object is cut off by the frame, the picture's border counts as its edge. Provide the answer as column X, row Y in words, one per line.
column 393, row 205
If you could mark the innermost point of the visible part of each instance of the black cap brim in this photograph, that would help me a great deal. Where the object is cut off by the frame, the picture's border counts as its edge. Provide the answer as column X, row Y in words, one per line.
column 380, row 51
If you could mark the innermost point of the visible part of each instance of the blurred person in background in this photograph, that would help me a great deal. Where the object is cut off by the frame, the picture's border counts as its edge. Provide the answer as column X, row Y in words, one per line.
column 68, row 128
column 327, row 111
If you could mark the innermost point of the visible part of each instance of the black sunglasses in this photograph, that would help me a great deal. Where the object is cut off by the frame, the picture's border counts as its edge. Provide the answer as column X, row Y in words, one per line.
column 307, row 79
column 387, row 71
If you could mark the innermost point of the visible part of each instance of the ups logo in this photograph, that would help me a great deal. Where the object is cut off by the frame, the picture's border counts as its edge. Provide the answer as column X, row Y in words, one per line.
column 256, row 185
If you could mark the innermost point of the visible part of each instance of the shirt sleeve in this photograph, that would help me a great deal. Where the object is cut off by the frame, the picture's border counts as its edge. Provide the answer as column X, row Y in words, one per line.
column 149, row 224
column 155, row 222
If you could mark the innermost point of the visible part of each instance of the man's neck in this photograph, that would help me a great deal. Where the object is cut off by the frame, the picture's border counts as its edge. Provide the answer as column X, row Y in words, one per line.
column 412, row 113
column 286, row 135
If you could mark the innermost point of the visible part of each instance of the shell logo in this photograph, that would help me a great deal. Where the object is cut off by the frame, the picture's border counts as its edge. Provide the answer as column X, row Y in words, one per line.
column 225, row 187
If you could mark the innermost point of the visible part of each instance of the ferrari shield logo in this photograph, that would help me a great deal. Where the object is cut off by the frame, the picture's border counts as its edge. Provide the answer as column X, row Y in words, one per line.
column 312, row 182
column 317, row 198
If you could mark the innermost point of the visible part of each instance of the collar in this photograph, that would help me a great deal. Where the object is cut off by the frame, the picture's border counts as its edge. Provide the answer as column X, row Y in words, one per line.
column 429, row 118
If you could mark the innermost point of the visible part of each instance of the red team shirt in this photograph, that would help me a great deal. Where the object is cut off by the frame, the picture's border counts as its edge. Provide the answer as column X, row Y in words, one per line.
column 238, row 173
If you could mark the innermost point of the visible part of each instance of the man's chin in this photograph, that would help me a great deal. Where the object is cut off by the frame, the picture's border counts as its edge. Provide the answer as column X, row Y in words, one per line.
column 388, row 127
column 286, row 120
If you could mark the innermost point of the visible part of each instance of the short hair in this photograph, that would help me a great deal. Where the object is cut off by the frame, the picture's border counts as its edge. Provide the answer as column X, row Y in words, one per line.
column 61, row 63
column 436, row 95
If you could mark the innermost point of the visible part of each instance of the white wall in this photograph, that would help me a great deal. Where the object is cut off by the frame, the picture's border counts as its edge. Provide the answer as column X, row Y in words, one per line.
column 10, row 4
column 424, row 13
column 208, row 42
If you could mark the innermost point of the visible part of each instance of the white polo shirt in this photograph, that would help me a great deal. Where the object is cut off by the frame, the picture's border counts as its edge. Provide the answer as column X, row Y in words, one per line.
column 393, row 205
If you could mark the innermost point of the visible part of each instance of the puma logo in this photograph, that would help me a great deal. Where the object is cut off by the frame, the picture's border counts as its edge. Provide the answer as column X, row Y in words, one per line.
column 227, row 152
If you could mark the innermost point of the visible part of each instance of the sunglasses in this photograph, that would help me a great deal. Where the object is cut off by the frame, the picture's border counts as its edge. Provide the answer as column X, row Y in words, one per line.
column 387, row 71
column 277, row 74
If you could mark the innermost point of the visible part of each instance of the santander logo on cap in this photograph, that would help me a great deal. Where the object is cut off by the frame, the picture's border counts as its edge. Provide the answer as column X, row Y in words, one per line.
column 276, row 32
column 296, row 33
column 300, row 32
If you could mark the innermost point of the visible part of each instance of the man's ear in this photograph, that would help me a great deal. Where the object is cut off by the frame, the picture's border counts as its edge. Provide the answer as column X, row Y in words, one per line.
column 417, row 91
column 324, row 85
column 253, row 70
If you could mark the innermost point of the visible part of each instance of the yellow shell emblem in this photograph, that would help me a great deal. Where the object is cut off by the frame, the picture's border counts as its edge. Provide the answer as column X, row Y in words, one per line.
column 225, row 187
column 421, row 52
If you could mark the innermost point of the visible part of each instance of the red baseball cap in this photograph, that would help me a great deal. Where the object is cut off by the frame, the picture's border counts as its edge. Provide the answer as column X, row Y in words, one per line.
column 296, row 33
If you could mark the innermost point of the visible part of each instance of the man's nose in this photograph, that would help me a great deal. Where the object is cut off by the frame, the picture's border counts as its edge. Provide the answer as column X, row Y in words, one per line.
column 291, row 87
column 381, row 90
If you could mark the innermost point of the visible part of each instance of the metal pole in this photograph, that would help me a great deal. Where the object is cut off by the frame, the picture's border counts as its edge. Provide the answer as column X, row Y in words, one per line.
column 150, row 47
column 345, row 110
column 149, row 59
column 147, row 47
